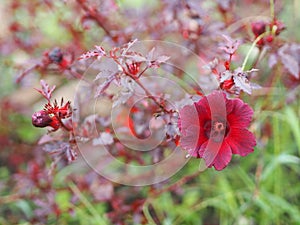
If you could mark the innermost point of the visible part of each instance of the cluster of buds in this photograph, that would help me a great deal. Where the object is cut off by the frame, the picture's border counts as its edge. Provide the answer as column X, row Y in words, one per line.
column 260, row 27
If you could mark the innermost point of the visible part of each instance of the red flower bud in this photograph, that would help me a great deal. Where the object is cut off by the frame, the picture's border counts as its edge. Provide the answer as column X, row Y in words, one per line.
column 269, row 38
column 258, row 28
column 41, row 119
column 55, row 55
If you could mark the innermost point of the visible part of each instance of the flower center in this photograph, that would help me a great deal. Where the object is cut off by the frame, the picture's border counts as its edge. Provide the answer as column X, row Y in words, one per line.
column 216, row 129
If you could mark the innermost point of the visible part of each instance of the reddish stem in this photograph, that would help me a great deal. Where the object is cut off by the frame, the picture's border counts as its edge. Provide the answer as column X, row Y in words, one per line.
column 27, row 71
column 95, row 15
column 136, row 79
column 142, row 72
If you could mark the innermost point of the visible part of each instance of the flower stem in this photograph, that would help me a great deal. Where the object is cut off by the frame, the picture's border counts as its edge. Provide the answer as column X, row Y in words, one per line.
column 272, row 9
column 252, row 47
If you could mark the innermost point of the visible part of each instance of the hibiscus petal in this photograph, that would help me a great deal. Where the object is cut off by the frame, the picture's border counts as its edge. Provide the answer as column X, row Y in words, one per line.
column 203, row 111
column 241, row 141
column 188, row 116
column 217, row 104
column 209, row 151
column 189, row 141
column 216, row 154
column 223, row 157
column 241, row 114
column 229, row 106
column 202, row 149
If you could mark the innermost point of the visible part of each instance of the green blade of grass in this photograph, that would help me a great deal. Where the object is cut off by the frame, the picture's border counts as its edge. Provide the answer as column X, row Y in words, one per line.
column 293, row 121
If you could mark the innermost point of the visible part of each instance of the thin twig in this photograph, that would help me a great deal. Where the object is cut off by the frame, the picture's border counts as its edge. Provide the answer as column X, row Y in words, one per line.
column 24, row 73
column 141, row 73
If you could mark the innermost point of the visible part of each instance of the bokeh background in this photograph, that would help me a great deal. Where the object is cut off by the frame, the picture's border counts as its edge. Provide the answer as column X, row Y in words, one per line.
column 262, row 188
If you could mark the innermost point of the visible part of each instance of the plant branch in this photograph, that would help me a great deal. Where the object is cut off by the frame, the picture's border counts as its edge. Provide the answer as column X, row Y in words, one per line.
column 149, row 95
column 24, row 73
column 141, row 73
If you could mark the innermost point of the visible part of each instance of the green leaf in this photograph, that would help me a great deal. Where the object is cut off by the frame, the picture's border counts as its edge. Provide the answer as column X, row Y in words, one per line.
column 294, row 123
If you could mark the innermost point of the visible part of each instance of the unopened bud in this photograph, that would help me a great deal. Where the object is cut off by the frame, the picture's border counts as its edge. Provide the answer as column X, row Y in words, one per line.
column 41, row 119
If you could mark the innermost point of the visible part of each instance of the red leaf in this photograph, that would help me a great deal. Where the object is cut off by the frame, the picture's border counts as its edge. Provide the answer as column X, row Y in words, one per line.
column 103, row 86
column 155, row 61
column 125, row 48
column 46, row 90
column 97, row 52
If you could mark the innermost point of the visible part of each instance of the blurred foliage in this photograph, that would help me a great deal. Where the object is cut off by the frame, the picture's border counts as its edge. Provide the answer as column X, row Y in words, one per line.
column 260, row 189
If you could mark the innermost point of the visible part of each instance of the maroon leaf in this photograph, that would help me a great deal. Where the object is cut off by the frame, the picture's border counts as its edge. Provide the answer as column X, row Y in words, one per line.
column 103, row 86
column 125, row 93
column 97, row 52
column 211, row 65
column 58, row 149
column 136, row 57
column 125, row 48
column 46, row 90
column 150, row 55
column 230, row 46
column 154, row 61
column 291, row 64
column 241, row 81
column 272, row 60
column 289, row 61
column 103, row 139
column 226, row 75
column 103, row 74
column 70, row 154
column 162, row 59
column 45, row 139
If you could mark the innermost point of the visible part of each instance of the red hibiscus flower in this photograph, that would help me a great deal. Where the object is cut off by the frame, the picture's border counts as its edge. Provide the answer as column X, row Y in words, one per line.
column 215, row 128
